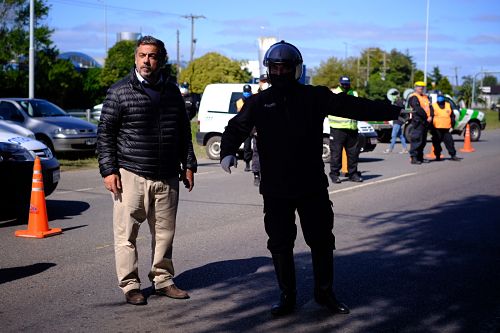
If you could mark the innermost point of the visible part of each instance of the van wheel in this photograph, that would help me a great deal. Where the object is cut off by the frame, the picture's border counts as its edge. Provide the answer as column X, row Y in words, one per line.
column 475, row 131
column 326, row 150
column 213, row 147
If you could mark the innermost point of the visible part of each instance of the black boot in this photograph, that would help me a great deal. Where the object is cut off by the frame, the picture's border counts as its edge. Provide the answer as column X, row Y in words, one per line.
column 414, row 160
column 284, row 267
column 323, row 281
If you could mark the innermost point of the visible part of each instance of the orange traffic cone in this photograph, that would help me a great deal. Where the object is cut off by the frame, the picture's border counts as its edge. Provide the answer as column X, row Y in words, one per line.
column 432, row 155
column 344, row 162
column 467, row 144
column 38, row 223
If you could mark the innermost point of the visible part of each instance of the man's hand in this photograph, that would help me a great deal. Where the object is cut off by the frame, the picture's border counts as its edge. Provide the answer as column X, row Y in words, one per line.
column 113, row 184
column 229, row 161
column 429, row 119
column 187, row 177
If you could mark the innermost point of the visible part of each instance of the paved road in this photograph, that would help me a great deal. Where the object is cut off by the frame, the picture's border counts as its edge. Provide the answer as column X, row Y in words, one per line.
column 417, row 251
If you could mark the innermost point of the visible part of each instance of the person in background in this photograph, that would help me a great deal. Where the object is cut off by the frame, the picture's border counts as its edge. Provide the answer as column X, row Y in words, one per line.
column 397, row 131
column 344, row 135
column 443, row 121
column 421, row 120
column 247, row 145
column 263, row 85
column 191, row 100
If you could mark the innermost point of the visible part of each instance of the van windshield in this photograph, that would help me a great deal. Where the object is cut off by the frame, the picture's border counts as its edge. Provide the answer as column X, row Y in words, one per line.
column 40, row 108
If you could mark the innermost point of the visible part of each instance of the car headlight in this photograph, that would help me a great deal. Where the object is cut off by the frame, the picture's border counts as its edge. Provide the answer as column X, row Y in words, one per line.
column 14, row 152
column 66, row 131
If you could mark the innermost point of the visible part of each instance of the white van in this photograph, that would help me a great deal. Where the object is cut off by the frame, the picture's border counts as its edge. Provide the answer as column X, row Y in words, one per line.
column 218, row 106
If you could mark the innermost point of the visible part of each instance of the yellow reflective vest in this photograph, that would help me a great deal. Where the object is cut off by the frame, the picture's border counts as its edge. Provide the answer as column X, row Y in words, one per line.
column 343, row 123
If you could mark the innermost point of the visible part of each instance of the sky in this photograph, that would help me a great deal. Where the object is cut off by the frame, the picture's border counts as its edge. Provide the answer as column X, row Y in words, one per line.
column 464, row 35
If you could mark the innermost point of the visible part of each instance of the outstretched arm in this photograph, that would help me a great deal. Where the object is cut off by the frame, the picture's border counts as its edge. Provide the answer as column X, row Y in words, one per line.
column 343, row 105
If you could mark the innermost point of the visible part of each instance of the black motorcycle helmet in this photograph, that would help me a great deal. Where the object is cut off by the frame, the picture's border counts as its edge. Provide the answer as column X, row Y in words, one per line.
column 284, row 53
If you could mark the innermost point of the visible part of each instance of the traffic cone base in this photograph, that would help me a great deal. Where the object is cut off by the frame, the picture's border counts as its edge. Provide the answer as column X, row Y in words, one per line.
column 38, row 234
column 38, row 223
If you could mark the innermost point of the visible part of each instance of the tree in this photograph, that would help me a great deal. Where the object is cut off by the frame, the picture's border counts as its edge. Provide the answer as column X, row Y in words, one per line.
column 213, row 68
column 445, row 86
column 119, row 62
column 14, row 30
column 490, row 81
column 465, row 90
column 329, row 72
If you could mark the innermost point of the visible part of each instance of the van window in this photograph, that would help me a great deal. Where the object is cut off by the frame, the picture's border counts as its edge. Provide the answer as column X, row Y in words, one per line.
column 232, row 102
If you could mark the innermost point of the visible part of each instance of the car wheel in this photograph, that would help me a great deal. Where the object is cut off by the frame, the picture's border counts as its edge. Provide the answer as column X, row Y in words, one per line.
column 475, row 131
column 326, row 150
column 384, row 136
column 213, row 147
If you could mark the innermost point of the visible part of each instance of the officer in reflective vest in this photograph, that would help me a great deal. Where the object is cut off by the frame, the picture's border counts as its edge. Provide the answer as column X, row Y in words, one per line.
column 344, row 134
column 443, row 121
column 421, row 119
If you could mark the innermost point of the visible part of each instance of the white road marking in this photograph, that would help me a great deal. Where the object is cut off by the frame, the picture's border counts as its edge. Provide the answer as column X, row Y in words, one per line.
column 77, row 190
column 372, row 183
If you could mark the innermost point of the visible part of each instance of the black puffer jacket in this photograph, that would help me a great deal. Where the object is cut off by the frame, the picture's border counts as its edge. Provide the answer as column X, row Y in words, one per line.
column 148, row 139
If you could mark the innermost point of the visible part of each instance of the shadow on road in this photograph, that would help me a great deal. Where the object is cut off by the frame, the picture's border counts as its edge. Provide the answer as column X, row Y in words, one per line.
column 428, row 270
column 64, row 209
column 15, row 273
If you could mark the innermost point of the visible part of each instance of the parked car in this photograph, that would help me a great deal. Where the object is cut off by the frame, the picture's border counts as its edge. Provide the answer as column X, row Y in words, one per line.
column 218, row 106
column 6, row 126
column 17, row 155
column 53, row 126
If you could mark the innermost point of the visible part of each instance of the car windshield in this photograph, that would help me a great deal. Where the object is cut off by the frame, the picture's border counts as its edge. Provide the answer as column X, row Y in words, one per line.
column 40, row 108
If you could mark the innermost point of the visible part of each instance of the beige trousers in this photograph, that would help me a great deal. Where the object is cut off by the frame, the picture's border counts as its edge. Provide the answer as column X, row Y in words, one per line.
column 157, row 202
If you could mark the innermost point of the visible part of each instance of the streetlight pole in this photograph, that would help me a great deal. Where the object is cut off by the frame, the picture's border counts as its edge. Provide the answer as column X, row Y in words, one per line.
column 426, row 43
column 31, row 71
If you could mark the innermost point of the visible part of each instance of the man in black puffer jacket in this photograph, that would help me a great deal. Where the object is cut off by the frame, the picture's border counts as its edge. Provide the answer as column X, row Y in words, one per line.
column 144, row 144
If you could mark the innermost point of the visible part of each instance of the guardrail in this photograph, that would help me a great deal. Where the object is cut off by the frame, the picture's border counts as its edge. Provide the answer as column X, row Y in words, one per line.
column 87, row 114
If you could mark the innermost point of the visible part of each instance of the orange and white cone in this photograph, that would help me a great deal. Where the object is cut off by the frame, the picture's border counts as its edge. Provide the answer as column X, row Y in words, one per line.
column 38, row 223
column 467, row 142
column 432, row 155
column 344, row 162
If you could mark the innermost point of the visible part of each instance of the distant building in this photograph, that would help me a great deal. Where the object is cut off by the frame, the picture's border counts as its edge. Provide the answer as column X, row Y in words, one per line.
column 490, row 95
column 133, row 36
column 80, row 60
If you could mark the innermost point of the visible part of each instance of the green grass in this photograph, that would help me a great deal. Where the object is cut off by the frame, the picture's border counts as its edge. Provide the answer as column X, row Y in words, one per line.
column 492, row 121
column 198, row 150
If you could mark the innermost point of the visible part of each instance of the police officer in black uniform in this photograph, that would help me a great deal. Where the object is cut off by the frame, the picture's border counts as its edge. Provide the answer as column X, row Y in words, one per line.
column 294, row 112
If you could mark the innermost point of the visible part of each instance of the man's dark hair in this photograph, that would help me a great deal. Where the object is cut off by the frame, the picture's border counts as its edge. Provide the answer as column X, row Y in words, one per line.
column 150, row 40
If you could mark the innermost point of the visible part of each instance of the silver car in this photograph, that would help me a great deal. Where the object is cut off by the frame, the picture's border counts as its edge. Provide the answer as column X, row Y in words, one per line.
column 51, row 125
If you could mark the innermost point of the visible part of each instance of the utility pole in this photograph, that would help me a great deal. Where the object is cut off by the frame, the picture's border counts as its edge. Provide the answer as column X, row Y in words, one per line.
column 193, row 40
column 31, row 68
column 426, row 42
column 456, row 76
column 178, row 54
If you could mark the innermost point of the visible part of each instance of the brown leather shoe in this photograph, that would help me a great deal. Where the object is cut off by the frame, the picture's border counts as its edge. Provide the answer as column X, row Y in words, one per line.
column 135, row 297
column 173, row 292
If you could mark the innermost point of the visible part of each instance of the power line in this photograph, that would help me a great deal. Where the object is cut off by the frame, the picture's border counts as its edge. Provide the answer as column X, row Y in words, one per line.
column 86, row 4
